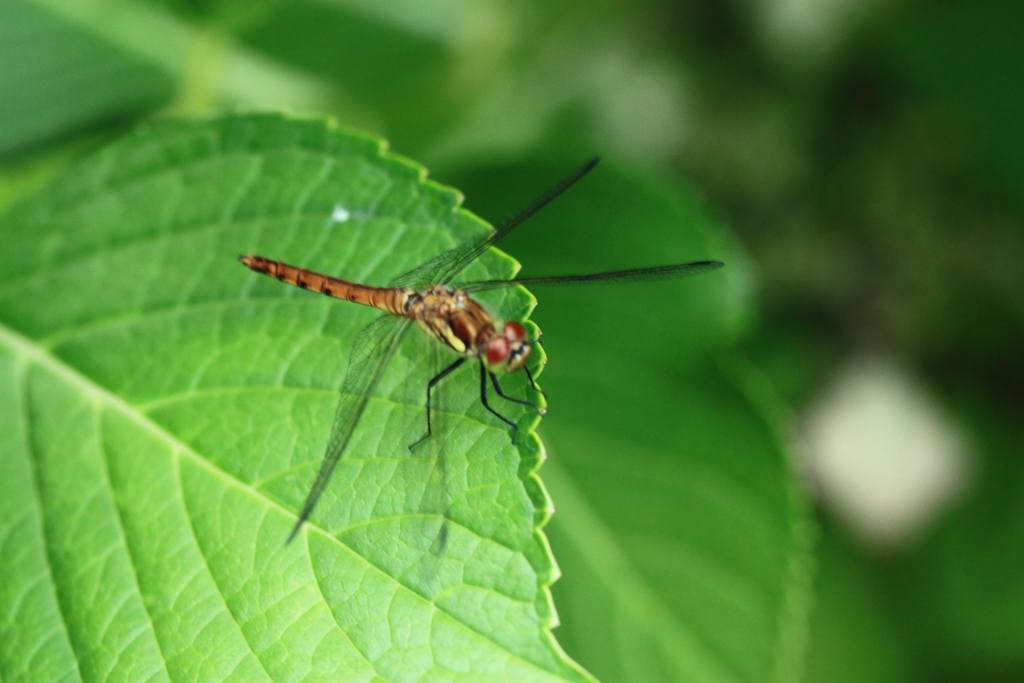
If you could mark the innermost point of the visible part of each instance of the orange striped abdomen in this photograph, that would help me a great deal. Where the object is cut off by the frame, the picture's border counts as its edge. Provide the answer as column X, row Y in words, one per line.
column 390, row 299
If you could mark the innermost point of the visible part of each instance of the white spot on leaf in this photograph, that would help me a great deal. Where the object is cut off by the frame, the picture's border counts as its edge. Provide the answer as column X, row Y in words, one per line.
column 340, row 214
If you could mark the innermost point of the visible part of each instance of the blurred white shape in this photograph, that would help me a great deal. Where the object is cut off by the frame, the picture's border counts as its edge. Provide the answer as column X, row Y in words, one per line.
column 811, row 31
column 638, row 103
column 881, row 453
column 340, row 214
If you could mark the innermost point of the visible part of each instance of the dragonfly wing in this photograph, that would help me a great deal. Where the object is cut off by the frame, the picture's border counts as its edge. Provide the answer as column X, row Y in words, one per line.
column 673, row 272
column 436, row 497
column 432, row 271
column 372, row 351
column 443, row 268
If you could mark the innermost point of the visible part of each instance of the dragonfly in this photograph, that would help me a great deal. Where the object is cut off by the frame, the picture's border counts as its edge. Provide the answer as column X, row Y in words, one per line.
column 424, row 297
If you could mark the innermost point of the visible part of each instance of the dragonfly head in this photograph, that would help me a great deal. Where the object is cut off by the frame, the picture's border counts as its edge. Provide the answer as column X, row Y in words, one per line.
column 508, row 349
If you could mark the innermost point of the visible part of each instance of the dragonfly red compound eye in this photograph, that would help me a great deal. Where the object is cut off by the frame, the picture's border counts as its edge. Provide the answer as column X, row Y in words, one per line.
column 515, row 332
column 497, row 350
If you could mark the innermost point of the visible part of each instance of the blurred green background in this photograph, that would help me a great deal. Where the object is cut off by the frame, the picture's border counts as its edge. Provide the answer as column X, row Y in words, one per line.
column 868, row 156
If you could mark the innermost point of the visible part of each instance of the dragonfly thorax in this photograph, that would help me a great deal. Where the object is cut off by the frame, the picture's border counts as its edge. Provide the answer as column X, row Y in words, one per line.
column 455, row 319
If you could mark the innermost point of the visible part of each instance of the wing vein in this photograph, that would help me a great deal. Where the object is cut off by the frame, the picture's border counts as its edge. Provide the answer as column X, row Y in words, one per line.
column 372, row 351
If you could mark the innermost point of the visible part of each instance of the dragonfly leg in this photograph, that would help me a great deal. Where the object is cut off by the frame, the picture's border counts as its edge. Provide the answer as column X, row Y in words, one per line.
column 497, row 388
column 483, row 399
column 430, row 385
column 529, row 376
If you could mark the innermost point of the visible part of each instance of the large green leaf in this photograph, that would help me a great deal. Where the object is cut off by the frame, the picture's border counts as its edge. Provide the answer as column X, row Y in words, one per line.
column 683, row 539
column 163, row 412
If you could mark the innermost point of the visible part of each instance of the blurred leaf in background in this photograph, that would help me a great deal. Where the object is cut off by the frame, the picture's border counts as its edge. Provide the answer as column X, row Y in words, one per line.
column 674, row 577
column 863, row 164
column 58, row 78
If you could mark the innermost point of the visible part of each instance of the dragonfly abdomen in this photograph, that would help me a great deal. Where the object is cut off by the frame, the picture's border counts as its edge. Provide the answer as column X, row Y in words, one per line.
column 390, row 299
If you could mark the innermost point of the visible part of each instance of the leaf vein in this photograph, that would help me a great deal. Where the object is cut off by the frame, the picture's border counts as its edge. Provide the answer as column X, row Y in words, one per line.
column 21, row 390
column 320, row 589
column 206, row 565
column 118, row 519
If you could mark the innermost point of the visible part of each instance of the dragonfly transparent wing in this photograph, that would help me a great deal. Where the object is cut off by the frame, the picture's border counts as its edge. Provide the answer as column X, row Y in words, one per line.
column 437, row 497
column 373, row 349
column 673, row 272
column 443, row 268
